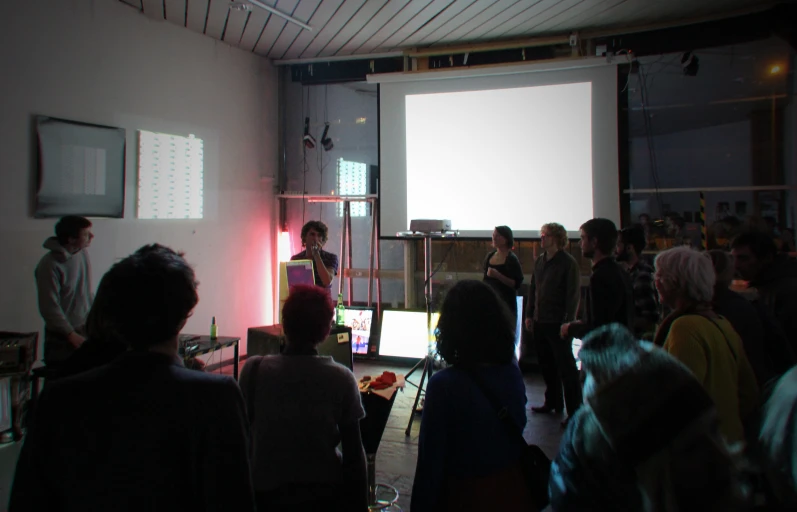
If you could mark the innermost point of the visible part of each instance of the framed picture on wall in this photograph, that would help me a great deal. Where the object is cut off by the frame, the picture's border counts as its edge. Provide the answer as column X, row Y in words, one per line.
column 80, row 169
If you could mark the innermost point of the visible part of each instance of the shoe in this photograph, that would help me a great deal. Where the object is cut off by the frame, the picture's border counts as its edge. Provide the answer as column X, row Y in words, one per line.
column 545, row 409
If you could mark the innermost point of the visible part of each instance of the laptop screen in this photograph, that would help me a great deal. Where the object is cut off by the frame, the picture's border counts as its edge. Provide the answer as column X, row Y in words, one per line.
column 299, row 272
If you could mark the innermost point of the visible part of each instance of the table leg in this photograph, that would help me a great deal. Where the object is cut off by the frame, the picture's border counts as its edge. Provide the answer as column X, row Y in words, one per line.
column 235, row 360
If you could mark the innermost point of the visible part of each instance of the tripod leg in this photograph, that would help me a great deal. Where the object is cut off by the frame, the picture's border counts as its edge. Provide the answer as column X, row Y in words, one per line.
column 417, row 396
column 417, row 365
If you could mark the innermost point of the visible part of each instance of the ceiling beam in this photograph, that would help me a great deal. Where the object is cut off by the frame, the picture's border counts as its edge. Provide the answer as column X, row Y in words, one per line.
column 153, row 9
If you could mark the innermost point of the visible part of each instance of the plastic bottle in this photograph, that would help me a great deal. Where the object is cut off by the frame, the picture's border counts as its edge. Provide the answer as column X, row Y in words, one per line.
column 340, row 311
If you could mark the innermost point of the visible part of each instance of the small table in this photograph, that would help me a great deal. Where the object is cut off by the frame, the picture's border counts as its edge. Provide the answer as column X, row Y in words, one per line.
column 196, row 345
column 377, row 405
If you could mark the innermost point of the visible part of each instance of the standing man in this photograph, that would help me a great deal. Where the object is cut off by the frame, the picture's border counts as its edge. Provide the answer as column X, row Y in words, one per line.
column 773, row 275
column 553, row 299
column 325, row 264
column 610, row 297
column 630, row 244
column 63, row 282
column 143, row 432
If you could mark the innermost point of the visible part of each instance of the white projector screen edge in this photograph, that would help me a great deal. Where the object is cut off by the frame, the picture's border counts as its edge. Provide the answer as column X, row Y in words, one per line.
column 519, row 149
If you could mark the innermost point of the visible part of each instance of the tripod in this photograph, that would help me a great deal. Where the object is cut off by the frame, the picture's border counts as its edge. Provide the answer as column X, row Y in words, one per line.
column 428, row 360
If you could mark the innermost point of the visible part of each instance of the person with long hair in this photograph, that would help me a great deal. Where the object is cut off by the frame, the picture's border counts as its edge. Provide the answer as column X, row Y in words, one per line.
column 502, row 268
column 466, row 458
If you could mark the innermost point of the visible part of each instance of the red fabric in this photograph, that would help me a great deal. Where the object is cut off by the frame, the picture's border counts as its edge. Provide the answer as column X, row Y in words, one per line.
column 384, row 381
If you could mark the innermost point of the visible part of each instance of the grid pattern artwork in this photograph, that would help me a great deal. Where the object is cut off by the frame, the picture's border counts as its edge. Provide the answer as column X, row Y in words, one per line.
column 170, row 176
column 352, row 181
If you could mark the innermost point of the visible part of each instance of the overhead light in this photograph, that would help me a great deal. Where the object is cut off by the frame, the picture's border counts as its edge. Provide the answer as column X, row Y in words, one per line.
column 240, row 6
column 690, row 63
column 281, row 14
column 326, row 141
column 309, row 140
column 360, row 120
column 775, row 69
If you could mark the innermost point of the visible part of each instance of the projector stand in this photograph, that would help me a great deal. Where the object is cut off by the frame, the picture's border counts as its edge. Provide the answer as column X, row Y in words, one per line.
column 428, row 361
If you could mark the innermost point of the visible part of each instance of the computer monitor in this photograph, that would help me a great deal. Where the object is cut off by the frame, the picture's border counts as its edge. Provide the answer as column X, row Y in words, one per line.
column 361, row 320
column 404, row 333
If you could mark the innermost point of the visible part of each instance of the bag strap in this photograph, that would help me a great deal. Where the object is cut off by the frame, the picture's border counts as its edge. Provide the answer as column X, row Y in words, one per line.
column 722, row 331
column 501, row 410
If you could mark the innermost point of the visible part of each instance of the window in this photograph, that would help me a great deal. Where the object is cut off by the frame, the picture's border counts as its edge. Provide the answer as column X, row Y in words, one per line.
column 352, row 181
column 170, row 176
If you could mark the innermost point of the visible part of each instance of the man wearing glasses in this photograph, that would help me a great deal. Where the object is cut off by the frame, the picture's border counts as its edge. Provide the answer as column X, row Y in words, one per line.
column 553, row 300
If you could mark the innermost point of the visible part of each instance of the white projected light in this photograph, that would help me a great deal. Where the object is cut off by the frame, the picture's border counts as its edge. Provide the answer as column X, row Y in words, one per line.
column 404, row 334
column 352, row 181
column 520, row 147
column 483, row 148
column 170, row 176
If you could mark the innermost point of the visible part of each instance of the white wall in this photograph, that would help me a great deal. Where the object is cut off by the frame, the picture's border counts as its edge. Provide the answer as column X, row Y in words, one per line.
column 103, row 62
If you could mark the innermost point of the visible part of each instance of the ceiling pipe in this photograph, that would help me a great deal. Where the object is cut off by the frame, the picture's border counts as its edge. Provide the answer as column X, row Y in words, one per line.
column 281, row 14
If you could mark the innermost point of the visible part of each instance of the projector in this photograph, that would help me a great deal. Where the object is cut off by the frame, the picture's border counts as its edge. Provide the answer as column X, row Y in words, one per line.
column 430, row 225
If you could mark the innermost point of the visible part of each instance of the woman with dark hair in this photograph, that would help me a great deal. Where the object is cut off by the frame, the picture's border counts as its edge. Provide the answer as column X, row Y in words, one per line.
column 502, row 269
column 301, row 406
column 466, row 458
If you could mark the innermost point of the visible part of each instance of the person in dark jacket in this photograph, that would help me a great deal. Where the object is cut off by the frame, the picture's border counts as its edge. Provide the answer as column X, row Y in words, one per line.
column 779, row 443
column 742, row 315
column 103, row 344
column 647, row 439
column 141, row 433
column 630, row 244
column 467, row 461
column 554, row 293
column 772, row 275
column 610, row 297
column 502, row 269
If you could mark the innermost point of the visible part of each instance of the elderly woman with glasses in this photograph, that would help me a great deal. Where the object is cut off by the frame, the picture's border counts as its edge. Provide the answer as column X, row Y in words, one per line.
column 702, row 340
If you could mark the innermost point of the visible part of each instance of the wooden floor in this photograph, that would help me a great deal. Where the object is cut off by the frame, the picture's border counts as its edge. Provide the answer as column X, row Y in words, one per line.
column 395, row 464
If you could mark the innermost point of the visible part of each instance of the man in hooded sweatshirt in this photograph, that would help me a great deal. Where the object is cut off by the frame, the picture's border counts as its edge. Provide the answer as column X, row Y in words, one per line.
column 63, row 282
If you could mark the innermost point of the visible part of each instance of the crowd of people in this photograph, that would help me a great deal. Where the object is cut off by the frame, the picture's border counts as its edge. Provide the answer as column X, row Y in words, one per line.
column 686, row 398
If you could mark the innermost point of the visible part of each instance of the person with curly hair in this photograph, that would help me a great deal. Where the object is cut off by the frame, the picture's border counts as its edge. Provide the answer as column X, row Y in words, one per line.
column 325, row 264
column 466, row 458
